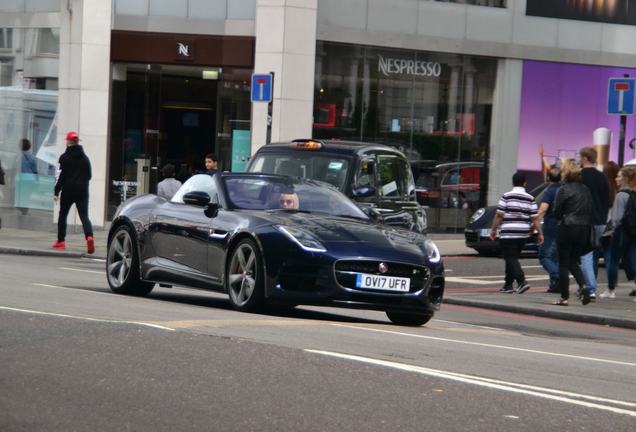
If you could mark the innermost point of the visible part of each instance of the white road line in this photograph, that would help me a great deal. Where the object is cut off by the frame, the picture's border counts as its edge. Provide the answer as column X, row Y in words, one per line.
column 532, row 266
column 86, row 318
column 484, row 382
column 468, row 325
column 83, row 271
column 474, row 281
column 98, row 260
column 73, row 289
column 487, row 345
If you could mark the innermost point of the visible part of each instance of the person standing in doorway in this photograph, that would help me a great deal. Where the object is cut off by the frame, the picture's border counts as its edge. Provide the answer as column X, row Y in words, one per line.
column 211, row 164
column 75, row 174
column 599, row 188
column 516, row 213
column 169, row 185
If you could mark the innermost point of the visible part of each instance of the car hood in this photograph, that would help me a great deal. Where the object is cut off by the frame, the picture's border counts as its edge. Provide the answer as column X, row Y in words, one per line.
column 357, row 235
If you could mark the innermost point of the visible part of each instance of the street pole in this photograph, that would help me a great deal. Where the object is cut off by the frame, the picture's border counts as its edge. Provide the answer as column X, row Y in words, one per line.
column 621, row 136
column 270, row 110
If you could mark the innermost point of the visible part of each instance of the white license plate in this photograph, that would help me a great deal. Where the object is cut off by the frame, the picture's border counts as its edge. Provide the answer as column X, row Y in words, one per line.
column 388, row 283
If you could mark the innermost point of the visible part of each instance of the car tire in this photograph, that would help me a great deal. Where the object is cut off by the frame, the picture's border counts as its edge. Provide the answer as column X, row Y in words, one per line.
column 122, row 265
column 244, row 277
column 408, row 319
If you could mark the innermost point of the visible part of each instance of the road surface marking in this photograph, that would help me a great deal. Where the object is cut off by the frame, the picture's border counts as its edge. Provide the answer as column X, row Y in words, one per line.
column 84, row 271
column 487, row 345
column 73, row 289
column 101, row 260
column 185, row 324
column 86, row 318
column 493, row 384
column 469, row 325
column 474, row 281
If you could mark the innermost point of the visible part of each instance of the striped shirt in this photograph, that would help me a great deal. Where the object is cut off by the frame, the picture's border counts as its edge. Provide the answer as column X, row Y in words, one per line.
column 518, row 209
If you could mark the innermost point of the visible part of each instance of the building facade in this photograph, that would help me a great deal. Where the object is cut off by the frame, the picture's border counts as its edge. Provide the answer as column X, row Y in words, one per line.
column 467, row 89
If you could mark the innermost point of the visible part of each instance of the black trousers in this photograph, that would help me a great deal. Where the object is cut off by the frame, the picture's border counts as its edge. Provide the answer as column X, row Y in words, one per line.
column 571, row 241
column 511, row 251
column 81, row 203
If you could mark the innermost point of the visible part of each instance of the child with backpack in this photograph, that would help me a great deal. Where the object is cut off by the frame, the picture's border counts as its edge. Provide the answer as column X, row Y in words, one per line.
column 620, row 234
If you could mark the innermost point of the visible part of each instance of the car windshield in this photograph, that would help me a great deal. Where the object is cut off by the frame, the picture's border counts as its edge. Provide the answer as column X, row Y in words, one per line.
column 327, row 168
column 285, row 194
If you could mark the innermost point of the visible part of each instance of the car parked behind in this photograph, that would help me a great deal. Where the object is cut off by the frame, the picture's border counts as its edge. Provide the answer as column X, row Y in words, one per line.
column 377, row 177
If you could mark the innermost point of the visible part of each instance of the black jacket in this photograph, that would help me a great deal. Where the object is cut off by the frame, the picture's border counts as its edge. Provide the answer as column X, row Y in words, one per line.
column 573, row 204
column 75, row 172
column 598, row 185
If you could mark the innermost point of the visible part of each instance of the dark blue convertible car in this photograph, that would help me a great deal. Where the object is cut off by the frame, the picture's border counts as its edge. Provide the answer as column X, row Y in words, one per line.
column 268, row 238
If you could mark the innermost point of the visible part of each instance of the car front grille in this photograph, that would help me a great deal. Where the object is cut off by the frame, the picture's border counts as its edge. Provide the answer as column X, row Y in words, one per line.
column 346, row 272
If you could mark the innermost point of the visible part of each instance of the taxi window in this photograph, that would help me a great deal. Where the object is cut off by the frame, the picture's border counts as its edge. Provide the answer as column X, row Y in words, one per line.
column 393, row 174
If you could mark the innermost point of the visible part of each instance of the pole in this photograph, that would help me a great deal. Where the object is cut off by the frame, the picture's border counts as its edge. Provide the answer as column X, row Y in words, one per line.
column 269, row 113
column 621, row 136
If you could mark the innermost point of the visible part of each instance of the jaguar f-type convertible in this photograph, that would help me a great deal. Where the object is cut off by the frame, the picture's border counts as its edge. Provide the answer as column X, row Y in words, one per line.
column 273, row 239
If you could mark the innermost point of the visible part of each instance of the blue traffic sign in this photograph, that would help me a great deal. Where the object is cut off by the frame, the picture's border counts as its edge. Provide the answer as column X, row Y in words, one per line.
column 261, row 87
column 620, row 96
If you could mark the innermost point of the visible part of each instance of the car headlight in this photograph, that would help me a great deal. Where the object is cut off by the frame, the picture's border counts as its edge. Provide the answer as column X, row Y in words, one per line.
column 432, row 252
column 479, row 213
column 302, row 238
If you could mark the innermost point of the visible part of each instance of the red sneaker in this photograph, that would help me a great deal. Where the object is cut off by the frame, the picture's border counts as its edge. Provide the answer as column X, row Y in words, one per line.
column 59, row 245
column 90, row 245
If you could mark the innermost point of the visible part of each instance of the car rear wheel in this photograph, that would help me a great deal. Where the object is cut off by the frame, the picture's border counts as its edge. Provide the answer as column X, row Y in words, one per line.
column 122, row 265
column 244, row 277
column 408, row 319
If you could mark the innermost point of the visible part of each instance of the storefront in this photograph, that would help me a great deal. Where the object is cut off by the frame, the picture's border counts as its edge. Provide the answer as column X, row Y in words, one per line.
column 436, row 108
column 28, row 106
column 174, row 99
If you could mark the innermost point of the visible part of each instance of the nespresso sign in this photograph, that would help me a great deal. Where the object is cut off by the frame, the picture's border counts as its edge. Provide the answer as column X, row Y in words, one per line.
column 184, row 50
column 396, row 66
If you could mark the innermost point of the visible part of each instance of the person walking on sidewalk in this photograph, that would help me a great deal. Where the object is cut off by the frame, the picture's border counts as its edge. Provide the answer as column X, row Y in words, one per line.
column 573, row 210
column 548, row 256
column 599, row 189
column 75, row 174
column 618, row 244
column 516, row 213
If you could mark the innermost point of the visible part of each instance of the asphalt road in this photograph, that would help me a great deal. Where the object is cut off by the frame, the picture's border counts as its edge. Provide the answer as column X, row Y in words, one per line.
column 75, row 356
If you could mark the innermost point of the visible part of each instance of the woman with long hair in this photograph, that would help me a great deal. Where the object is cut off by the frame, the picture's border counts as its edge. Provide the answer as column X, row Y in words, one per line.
column 610, row 170
column 619, row 245
column 573, row 210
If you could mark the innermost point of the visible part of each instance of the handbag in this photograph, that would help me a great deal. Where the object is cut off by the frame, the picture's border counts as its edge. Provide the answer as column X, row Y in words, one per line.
column 594, row 241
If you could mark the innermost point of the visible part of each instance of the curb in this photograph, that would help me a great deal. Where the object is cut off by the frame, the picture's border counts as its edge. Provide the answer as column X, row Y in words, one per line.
column 562, row 315
column 45, row 253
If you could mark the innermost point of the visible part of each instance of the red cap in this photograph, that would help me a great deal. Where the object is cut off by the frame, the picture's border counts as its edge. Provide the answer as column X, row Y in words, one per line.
column 72, row 136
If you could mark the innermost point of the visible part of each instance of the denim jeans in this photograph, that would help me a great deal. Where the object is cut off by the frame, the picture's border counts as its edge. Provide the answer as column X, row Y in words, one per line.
column 589, row 263
column 620, row 247
column 549, row 258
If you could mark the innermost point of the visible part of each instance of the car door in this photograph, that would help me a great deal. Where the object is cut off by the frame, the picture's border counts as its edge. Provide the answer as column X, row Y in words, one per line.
column 181, row 232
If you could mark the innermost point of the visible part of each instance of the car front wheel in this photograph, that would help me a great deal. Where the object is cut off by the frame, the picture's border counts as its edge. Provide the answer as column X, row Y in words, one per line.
column 122, row 265
column 244, row 277
column 408, row 319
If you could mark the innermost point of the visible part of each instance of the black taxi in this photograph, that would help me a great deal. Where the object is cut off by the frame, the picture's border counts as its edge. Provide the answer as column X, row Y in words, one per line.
column 376, row 176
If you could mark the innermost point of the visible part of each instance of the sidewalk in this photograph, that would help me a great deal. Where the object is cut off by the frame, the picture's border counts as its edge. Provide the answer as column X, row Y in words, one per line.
column 620, row 312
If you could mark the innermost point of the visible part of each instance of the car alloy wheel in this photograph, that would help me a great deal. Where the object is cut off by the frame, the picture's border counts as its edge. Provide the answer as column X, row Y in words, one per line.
column 244, row 277
column 122, row 265
column 119, row 259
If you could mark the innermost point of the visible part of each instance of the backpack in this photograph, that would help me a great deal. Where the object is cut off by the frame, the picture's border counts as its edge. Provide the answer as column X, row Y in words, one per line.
column 629, row 218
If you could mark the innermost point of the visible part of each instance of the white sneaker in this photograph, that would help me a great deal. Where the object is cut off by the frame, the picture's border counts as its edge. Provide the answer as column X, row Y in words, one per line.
column 608, row 295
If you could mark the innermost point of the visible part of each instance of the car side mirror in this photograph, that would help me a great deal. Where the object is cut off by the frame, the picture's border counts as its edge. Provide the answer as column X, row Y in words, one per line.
column 373, row 214
column 363, row 191
column 212, row 210
column 197, row 199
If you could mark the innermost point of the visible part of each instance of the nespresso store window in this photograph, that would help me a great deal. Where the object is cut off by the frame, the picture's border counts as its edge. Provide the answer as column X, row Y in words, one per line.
column 28, row 105
column 436, row 108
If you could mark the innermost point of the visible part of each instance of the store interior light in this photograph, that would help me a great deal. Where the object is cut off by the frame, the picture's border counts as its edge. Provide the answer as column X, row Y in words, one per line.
column 210, row 74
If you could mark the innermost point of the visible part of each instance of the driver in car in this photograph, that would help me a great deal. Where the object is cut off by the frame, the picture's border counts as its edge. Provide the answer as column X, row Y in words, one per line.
column 289, row 200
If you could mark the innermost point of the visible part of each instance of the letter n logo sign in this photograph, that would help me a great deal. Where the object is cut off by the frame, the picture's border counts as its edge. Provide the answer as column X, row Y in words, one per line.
column 184, row 50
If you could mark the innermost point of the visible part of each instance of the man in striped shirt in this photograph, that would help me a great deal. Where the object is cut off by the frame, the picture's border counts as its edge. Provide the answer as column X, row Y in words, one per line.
column 516, row 213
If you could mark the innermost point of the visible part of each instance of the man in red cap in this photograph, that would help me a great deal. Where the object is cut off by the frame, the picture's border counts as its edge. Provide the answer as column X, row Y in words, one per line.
column 75, row 173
